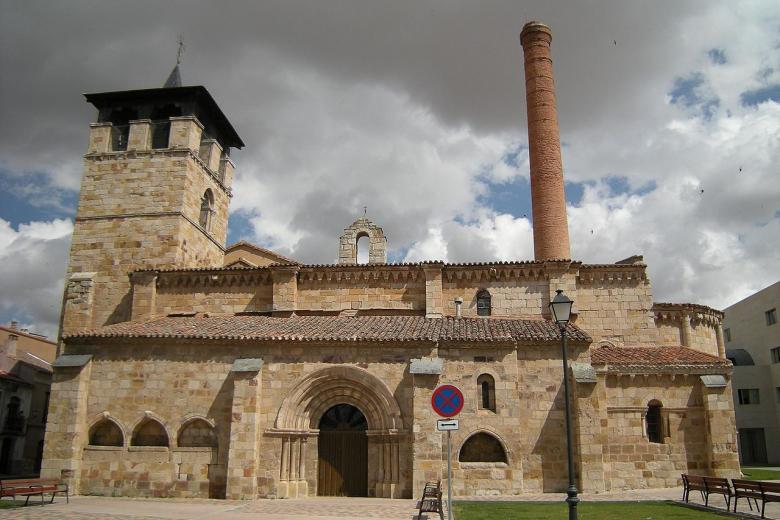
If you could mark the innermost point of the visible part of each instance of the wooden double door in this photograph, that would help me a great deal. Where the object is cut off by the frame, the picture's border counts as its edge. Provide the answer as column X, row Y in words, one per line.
column 343, row 453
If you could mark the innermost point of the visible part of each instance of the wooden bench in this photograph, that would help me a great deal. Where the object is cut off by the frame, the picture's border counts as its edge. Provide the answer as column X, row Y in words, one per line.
column 707, row 486
column 756, row 490
column 431, row 500
column 31, row 487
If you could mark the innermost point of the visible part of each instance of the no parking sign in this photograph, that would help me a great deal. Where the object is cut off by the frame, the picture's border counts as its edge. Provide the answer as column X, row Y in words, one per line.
column 447, row 401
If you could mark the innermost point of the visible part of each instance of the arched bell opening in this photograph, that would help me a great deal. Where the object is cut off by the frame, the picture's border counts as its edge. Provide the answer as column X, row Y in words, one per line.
column 342, row 448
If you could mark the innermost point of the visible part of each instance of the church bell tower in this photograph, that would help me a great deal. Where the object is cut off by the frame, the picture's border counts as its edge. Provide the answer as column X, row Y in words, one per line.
column 154, row 195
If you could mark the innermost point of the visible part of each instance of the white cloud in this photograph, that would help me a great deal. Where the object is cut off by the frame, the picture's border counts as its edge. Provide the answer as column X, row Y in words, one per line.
column 34, row 259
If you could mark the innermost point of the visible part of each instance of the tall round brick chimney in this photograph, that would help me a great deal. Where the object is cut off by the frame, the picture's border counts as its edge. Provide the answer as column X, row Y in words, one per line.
column 548, row 200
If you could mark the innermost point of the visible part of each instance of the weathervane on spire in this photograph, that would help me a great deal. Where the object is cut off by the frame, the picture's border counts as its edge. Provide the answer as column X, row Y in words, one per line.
column 180, row 51
column 174, row 79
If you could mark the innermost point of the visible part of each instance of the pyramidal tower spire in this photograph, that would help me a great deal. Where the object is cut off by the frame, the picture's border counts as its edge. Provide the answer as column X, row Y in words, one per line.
column 174, row 78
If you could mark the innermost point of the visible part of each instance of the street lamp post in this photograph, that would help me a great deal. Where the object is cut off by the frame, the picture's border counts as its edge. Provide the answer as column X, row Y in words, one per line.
column 560, row 307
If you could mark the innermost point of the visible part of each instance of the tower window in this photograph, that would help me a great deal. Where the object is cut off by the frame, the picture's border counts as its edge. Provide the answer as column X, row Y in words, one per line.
column 655, row 422
column 486, row 386
column 120, row 130
column 206, row 210
column 483, row 303
column 161, row 125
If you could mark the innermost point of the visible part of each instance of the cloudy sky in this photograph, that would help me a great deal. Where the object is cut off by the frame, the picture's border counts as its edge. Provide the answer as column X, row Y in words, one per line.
column 669, row 115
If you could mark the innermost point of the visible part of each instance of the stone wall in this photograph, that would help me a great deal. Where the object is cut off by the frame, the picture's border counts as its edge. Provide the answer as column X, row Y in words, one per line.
column 631, row 461
column 516, row 298
column 392, row 290
column 615, row 305
column 215, row 294
column 265, row 423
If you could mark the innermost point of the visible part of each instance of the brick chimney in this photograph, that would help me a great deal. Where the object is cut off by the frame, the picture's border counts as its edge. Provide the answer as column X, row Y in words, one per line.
column 548, row 201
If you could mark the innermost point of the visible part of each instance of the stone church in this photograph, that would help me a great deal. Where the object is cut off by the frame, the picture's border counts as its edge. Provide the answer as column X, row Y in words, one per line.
column 192, row 369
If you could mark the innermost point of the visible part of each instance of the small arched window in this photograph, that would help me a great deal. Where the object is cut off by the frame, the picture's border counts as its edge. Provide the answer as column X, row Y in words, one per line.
column 197, row 433
column 654, row 421
column 486, row 386
column 482, row 447
column 149, row 433
column 483, row 303
column 206, row 210
column 106, row 433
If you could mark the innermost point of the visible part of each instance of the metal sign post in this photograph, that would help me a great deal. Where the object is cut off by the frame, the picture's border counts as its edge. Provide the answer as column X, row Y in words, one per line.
column 449, row 474
column 447, row 401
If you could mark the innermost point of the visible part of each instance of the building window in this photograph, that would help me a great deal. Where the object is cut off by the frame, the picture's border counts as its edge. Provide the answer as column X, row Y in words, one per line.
column 771, row 316
column 486, row 386
column 775, row 355
column 655, row 423
column 748, row 395
column 777, row 394
column 727, row 333
column 483, row 303
column 206, row 210
column 482, row 447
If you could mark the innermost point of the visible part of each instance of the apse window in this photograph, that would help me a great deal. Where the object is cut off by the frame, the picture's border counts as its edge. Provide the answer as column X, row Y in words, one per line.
column 771, row 316
column 655, row 423
column 483, row 303
column 748, row 396
column 775, row 355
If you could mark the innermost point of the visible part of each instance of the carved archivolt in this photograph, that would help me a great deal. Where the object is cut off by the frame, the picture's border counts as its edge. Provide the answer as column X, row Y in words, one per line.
column 319, row 391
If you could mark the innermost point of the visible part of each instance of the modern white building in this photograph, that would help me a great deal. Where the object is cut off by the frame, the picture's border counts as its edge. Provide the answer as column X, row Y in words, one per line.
column 752, row 335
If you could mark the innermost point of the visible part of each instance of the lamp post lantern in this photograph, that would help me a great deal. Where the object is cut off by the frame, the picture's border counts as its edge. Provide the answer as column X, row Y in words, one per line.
column 560, row 307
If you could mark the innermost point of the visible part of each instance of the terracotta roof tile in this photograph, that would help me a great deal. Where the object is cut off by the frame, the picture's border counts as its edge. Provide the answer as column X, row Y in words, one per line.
column 333, row 328
column 655, row 356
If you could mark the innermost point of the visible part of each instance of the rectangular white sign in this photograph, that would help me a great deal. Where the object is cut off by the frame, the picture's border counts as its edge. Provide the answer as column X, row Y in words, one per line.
column 446, row 424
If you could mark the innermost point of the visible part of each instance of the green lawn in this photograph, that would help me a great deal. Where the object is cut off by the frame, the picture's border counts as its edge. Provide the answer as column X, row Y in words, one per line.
column 587, row 511
column 760, row 473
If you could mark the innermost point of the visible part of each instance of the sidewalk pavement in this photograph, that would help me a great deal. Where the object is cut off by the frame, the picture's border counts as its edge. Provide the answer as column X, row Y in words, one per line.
column 314, row 508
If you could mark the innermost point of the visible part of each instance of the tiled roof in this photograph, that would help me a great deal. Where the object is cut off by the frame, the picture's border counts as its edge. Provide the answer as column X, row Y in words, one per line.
column 655, row 356
column 696, row 307
column 334, row 328
column 249, row 245
column 341, row 267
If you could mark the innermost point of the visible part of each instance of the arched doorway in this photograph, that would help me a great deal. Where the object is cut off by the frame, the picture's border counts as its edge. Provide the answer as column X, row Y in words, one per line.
column 343, row 453
column 298, row 423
